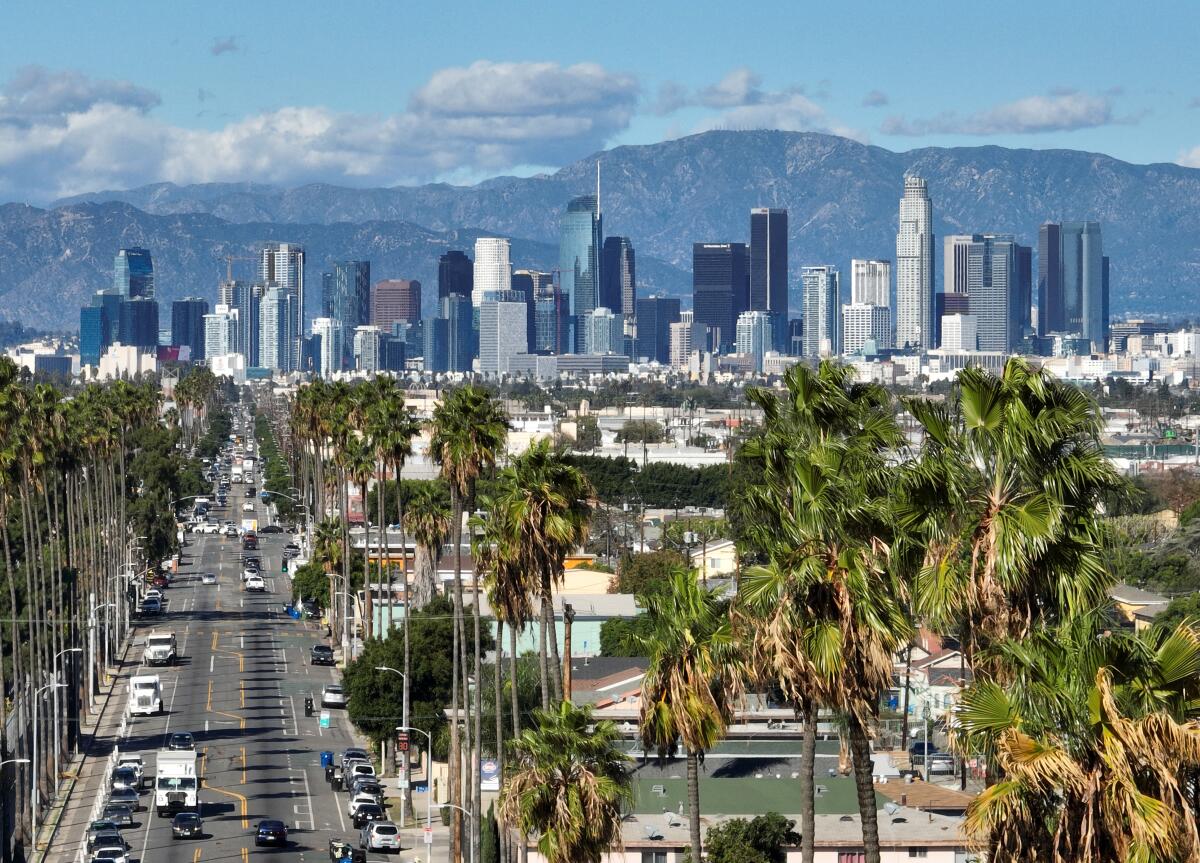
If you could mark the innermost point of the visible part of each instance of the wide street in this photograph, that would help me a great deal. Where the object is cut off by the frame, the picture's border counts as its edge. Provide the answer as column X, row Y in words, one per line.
column 239, row 688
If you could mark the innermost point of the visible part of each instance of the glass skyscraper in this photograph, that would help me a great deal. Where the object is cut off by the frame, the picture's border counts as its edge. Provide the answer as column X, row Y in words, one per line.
column 187, row 324
column 914, row 268
column 619, row 277
column 347, row 290
column 720, row 289
column 133, row 274
column 456, row 274
column 579, row 254
column 769, row 269
column 139, row 323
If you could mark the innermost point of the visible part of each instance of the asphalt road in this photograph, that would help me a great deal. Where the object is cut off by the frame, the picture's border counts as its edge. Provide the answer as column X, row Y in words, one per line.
column 239, row 688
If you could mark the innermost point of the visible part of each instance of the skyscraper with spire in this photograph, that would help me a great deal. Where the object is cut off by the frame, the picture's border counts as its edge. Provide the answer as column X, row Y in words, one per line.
column 580, row 251
column 915, row 267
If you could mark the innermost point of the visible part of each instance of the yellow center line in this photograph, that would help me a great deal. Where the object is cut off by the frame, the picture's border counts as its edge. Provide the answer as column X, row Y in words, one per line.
column 243, row 765
column 245, row 853
column 208, row 706
column 240, row 798
column 196, row 856
column 240, row 658
column 242, row 692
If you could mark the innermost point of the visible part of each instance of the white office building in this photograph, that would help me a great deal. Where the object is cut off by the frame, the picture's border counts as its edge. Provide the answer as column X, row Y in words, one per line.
column 276, row 336
column 282, row 264
column 822, row 308
column 755, row 336
column 681, row 344
column 368, row 342
column 914, row 267
column 221, row 331
column 960, row 333
column 863, row 322
column 605, row 333
column 871, row 282
column 502, row 330
column 329, row 331
column 493, row 272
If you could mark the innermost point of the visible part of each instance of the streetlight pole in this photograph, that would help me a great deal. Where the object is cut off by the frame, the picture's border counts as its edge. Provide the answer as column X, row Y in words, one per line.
column 58, row 707
column 428, row 781
column 470, row 825
column 34, row 772
column 404, row 720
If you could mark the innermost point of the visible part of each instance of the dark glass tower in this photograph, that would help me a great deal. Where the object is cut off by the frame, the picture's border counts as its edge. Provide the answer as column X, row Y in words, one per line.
column 720, row 288
column 579, row 257
column 456, row 274
column 133, row 274
column 139, row 323
column 769, row 269
column 187, row 324
column 1051, row 314
column 618, row 290
column 349, row 288
column 655, row 316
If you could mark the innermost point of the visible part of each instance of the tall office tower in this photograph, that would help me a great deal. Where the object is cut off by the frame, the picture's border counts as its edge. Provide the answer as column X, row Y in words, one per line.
column 552, row 322
column 139, row 323
column 1024, row 291
column 368, row 343
column 1105, row 314
column 863, row 322
column 871, row 283
column 618, row 286
column 960, row 333
column 276, row 339
column 681, row 344
column 822, row 308
column 501, row 330
column 1051, row 314
column 769, row 268
column 990, row 279
column 348, row 296
column 525, row 283
column 655, row 316
column 456, row 274
column 187, row 324
column 247, row 299
column 948, row 304
column 225, row 292
column 796, row 337
column 99, row 326
column 720, row 289
column 954, row 262
column 605, row 332
column 393, row 353
column 915, row 267
column 221, row 332
column 756, row 335
column 329, row 331
column 462, row 339
column 435, row 349
column 282, row 264
column 394, row 301
column 493, row 272
column 579, row 257
column 133, row 274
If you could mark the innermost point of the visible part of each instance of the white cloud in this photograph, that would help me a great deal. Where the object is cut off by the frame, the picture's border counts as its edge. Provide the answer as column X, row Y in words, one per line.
column 1060, row 111
column 875, row 99
column 1190, row 158
column 63, row 134
column 740, row 87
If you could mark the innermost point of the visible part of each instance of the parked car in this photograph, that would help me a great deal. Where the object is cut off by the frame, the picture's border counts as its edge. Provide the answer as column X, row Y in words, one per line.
column 187, row 825
column 354, row 753
column 255, row 584
column 291, row 550
column 160, row 581
column 380, row 836
column 365, row 813
column 271, row 528
column 333, row 695
column 321, row 654
column 270, row 833
column 151, row 607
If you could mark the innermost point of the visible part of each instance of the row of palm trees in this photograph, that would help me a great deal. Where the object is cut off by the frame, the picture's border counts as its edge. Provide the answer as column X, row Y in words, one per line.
column 69, row 564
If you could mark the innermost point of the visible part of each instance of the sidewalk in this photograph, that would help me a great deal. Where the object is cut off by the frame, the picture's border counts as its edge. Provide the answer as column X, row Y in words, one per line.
column 60, row 837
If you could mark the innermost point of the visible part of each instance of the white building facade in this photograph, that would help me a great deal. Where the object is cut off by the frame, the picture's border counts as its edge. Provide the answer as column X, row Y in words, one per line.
column 871, row 282
column 914, row 267
column 863, row 322
column 493, row 272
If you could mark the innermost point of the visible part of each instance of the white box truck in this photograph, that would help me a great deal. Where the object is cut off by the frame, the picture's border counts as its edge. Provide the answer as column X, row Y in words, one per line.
column 248, row 469
column 145, row 695
column 176, row 783
column 235, row 474
column 160, row 648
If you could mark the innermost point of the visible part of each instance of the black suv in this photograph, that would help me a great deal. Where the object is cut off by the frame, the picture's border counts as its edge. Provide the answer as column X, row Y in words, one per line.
column 321, row 654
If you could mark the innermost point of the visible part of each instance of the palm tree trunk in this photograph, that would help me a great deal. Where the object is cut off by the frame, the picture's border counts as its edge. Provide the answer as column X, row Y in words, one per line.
column 408, row 804
column 554, row 663
column 860, row 753
column 693, row 781
column 543, row 651
column 455, row 742
column 497, row 675
column 808, row 763
column 517, row 837
column 476, row 824
column 907, row 693
column 368, row 593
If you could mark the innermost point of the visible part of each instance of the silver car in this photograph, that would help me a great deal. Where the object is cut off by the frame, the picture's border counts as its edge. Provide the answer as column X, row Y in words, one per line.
column 125, row 778
column 380, row 836
column 125, row 796
column 333, row 696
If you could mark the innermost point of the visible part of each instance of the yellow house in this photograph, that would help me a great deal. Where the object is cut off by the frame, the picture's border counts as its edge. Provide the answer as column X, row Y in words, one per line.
column 1138, row 606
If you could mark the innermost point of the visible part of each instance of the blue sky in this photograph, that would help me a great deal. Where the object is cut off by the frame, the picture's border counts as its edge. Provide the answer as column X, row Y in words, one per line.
column 116, row 94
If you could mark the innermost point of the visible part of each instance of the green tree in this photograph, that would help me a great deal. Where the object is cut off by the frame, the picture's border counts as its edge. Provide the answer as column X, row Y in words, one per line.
column 1180, row 610
column 649, row 573
column 621, row 636
column 640, row 431
column 310, row 581
column 569, row 785
column 587, row 434
column 761, row 839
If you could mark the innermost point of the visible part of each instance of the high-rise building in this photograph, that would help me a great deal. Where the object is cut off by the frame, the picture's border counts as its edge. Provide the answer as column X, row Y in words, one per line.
column 139, row 323
column 221, row 332
column 1050, row 299
column 960, row 333
column 436, row 340
column 346, row 297
column 769, row 269
column 1024, row 292
column 605, row 332
column 863, row 322
column 462, row 339
column 368, row 343
column 282, row 264
column 986, row 266
column 187, row 324
column 720, row 289
column 1072, row 282
column 493, row 272
column 99, row 326
column 915, row 267
column 133, row 274
column 822, row 310
column 654, row 318
column 871, row 283
column 954, row 262
column 456, row 274
column 619, row 277
column 329, row 331
column 681, row 344
column 796, row 337
column 552, row 322
column 756, row 335
column 526, row 282
column 948, row 304
column 501, row 330
column 276, row 337
column 394, row 301
column 579, row 256
column 247, row 300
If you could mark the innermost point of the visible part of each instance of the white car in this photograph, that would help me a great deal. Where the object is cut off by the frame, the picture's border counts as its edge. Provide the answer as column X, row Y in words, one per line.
column 247, row 507
column 112, row 854
column 357, row 800
column 207, row 527
column 208, row 578
column 248, row 572
column 153, row 593
column 256, row 584
column 230, row 530
column 380, row 836
column 333, row 696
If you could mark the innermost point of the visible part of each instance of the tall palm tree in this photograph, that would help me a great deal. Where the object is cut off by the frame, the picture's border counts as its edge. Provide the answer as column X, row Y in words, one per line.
column 569, row 785
column 1097, row 741
column 428, row 519
column 689, row 682
column 359, row 460
column 469, row 430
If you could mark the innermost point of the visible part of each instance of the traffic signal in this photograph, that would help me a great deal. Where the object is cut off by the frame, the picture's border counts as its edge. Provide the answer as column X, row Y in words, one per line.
column 285, row 566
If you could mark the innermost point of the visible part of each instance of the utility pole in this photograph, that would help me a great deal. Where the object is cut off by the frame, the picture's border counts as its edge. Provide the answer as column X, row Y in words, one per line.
column 568, row 619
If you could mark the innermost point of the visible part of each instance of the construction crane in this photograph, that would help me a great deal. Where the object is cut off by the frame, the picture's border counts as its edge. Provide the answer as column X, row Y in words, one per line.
column 229, row 259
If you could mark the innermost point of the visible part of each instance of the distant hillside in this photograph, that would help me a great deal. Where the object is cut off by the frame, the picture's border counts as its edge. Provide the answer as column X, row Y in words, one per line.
column 842, row 197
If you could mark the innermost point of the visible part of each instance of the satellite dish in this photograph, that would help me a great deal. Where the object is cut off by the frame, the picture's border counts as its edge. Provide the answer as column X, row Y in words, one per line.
column 891, row 809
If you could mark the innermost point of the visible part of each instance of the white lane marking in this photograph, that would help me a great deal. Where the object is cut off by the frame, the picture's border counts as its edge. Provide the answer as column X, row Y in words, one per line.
column 211, row 660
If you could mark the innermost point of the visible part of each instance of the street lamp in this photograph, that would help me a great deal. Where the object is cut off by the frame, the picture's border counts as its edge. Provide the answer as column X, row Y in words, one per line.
column 470, row 826
column 57, row 725
column 404, row 719
column 428, row 780
column 35, row 791
column 94, row 621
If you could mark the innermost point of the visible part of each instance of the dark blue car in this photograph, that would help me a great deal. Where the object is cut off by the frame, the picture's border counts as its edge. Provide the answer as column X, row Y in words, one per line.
column 271, row 833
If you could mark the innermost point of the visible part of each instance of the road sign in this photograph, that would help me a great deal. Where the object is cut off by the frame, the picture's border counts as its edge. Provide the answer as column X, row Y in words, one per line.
column 402, row 741
column 428, row 835
column 402, row 784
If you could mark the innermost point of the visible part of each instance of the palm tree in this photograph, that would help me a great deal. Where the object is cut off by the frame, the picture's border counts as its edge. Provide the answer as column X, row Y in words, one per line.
column 469, row 430
column 1097, row 741
column 329, row 552
column 428, row 518
column 359, row 461
column 569, row 784
column 686, row 693
column 546, row 500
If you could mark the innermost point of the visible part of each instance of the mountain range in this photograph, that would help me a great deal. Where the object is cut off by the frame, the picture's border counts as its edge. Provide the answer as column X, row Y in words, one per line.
column 841, row 195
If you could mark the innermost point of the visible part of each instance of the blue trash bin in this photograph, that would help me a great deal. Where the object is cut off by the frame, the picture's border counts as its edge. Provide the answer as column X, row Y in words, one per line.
column 326, row 759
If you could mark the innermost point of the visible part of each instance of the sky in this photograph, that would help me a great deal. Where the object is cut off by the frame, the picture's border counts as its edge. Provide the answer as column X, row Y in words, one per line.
column 117, row 94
